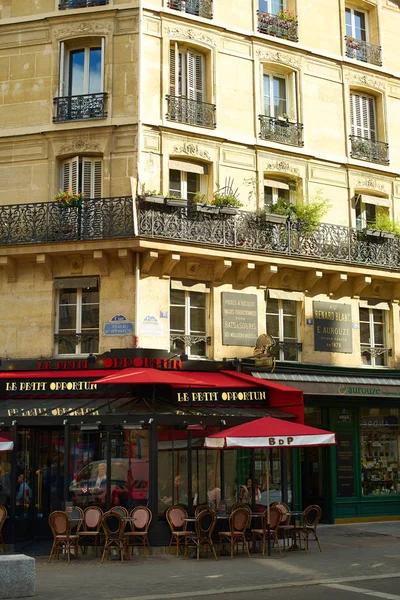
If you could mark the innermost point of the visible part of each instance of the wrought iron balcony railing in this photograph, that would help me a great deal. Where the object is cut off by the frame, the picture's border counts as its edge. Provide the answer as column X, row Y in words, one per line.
column 371, row 150
column 364, row 51
column 195, row 344
column 281, row 130
column 101, row 218
column 184, row 110
column 79, row 108
column 64, row 4
column 110, row 218
column 274, row 25
column 200, row 8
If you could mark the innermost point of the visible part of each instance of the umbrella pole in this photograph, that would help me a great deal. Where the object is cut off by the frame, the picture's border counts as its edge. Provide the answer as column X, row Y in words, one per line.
column 268, row 512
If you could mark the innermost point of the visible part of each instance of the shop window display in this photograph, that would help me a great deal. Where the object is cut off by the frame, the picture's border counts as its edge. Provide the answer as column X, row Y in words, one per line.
column 380, row 441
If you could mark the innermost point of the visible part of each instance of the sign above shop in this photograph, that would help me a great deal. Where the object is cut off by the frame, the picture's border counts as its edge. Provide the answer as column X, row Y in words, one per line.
column 221, row 397
column 332, row 327
column 239, row 319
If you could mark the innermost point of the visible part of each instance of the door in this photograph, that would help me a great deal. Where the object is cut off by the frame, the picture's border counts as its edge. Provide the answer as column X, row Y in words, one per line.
column 39, row 480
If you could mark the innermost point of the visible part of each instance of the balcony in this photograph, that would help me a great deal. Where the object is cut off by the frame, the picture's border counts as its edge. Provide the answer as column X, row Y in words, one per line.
column 199, row 8
column 285, row 29
column 80, row 108
column 111, row 218
column 281, row 131
column 65, row 4
column 363, row 51
column 370, row 150
column 184, row 110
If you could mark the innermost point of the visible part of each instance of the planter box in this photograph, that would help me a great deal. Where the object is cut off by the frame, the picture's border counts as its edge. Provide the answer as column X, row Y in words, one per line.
column 274, row 218
column 156, row 199
column 377, row 233
column 181, row 202
column 205, row 208
column 228, row 210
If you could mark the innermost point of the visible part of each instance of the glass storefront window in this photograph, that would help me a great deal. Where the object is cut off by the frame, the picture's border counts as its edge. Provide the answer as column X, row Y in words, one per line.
column 130, row 468
column 275, row 474
column 87, row 468
column 380, row 456
column 172, row 468
column 5, row 473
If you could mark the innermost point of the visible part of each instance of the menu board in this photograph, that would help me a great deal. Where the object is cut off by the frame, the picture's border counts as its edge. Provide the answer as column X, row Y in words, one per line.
column 345, row 465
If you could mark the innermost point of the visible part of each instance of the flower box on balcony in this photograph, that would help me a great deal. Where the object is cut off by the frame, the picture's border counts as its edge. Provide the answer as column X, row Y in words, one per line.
column 228, row 210
column 378, row 233
column 180, row 202
column 154, row 198
column 274, row 218
column 204, row 208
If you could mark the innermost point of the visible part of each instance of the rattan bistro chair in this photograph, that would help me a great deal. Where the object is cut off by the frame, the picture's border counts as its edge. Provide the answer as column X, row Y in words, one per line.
column 113, row 526
column 310, row 518
column 3, row 517
column 275, row 517
column 139, row 528
column 60, row 525
column 176, row 516
column 89, row 534
column 239, row 521
column 121, row 510
column 202, row 536
column 286, row 527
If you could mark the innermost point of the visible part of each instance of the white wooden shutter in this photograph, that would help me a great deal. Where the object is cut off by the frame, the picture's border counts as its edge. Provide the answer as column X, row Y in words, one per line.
column 97, row 178
column 267, row 95
column 103, row 43
column 362, row 111
column 91, row 177
column 291, row 96
column 69, row 174
column 173, row 69
column 195, row 76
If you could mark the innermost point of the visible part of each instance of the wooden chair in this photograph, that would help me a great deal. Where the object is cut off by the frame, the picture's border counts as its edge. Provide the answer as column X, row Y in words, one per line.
column 275, row 517
column 113, row 526
column 89, row 534
column 139, row 528
column 240, row 505
column 309, row 521
column 286, row 527
column 60, row 525
column 239, row 521
column 121, row 510
column 200, row 508
column 3, row 517
column 202, row 537
column 176, row 516
column 76, row 514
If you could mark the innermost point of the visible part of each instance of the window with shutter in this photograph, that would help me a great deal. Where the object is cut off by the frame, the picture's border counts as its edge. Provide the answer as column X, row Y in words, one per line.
column 187, row 73
column 82, row 174
column 362, row 113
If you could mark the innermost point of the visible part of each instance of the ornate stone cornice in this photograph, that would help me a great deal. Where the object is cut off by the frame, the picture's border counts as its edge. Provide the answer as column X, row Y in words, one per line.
column 79, row 146
column 192, row 150
column 280, row 57
column 281, row 165
column 82, row 28
column 190, row 34
column 365, row 80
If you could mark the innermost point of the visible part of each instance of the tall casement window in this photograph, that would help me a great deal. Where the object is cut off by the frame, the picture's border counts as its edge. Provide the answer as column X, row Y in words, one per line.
column 186, row 178
column 187, row 99
column 282, row 326
column 275, row 190
column 77, row 316
column 373, row 337
column 365, row 144
column 82, row 174
column 277, row 18
column 273, row 7
column 188, row 322
column 279, row 119
column 370, row 210
column 81, row 88
column 362, row 35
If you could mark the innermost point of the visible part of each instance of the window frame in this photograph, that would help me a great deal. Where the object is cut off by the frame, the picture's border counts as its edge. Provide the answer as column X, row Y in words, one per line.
column 354, row 10
column 281, row 351
column 276, row 191
column 269, row 4
column 66, row 49
column 187, row 329
column 80, row 177
column 273, row 76
column 78, row 321
column 372, row 344
column 179, row 73
column 373, row 133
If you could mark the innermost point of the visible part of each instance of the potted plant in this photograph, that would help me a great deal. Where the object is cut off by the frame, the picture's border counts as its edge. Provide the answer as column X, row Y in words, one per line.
column 153, row 196
column 67, row 199
column 200, row 203
column 175, row 200
column 307, row 214
column 383, row 228
column 283, row 120
column 279, row 212
column 227, row 202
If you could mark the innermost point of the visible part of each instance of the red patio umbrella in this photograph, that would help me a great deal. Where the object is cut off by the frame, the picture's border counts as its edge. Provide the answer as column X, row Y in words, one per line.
column 152, row 376
column 268, row 432
column 6, row 445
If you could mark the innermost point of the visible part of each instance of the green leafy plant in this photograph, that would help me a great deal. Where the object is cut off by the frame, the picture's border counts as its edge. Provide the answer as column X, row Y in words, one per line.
column 67, row 199
column 153, row 193
column 309, row 214
column 286, row 15
column 384, row 223
column 226, row 199
column 199, row 198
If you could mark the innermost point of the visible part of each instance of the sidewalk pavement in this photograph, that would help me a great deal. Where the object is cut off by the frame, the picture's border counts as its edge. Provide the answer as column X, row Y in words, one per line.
column 350, row 552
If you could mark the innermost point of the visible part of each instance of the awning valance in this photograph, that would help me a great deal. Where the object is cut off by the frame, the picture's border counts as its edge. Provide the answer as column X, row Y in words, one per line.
column 188, row 166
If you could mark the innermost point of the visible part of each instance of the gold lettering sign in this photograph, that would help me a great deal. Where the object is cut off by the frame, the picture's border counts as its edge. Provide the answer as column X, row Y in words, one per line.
column 222, row 396
column 52, row 386
column 60, row 411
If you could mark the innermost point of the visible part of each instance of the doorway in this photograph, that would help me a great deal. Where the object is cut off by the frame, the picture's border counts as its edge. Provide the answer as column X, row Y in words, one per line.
column 39, row 481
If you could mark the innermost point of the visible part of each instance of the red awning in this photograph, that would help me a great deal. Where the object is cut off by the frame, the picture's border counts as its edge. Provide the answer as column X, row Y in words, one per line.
column 152, row 376
column 79, row 374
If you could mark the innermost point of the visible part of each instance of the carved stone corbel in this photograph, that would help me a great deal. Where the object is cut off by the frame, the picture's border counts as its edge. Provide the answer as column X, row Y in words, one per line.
column 125, row 258
column 148, row 259
column 244, row 271
column 10, row 267
column 102, row 261
column 336, row 281
column 220, row 268
column 359, row 285
column 266, row 274
column 46, row 264
column 169, row 263
column 311, row 279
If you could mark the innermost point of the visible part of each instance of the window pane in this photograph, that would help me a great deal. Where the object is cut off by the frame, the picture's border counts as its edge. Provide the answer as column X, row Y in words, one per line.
column 66, row 345
column 90, row 316
column 198, row 349
column 90, row 296
column 365, row 357
column 175, row 182
column 197, row 320
column 177, row 347
column 272, row 325
column 267, row 97
column 289, row 307
column 90, row 341
column 67, row 317
column 177, row 297
column 290, row 327
column 291, row 353
column 364, row 333
column 77, row 72
column 279, row 96
column 268, row 198
column 276, row 6
column 364, row 315
column 378, row 316
column 197, row 299
column 272, row 305
column 95, row 71
column 359, row 26
column 370, row 213
column 193, row 185
column 68, row 296
column 348, row 23
column 177, row 319
column 379, row 334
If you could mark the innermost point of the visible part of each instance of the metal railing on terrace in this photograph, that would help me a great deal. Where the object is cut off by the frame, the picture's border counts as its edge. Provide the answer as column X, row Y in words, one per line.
column 278, row 27
column 363, row 51
column 110, row 218
column 184, row 110
column 65, row 4
column 199, row 8
column 80, row 108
